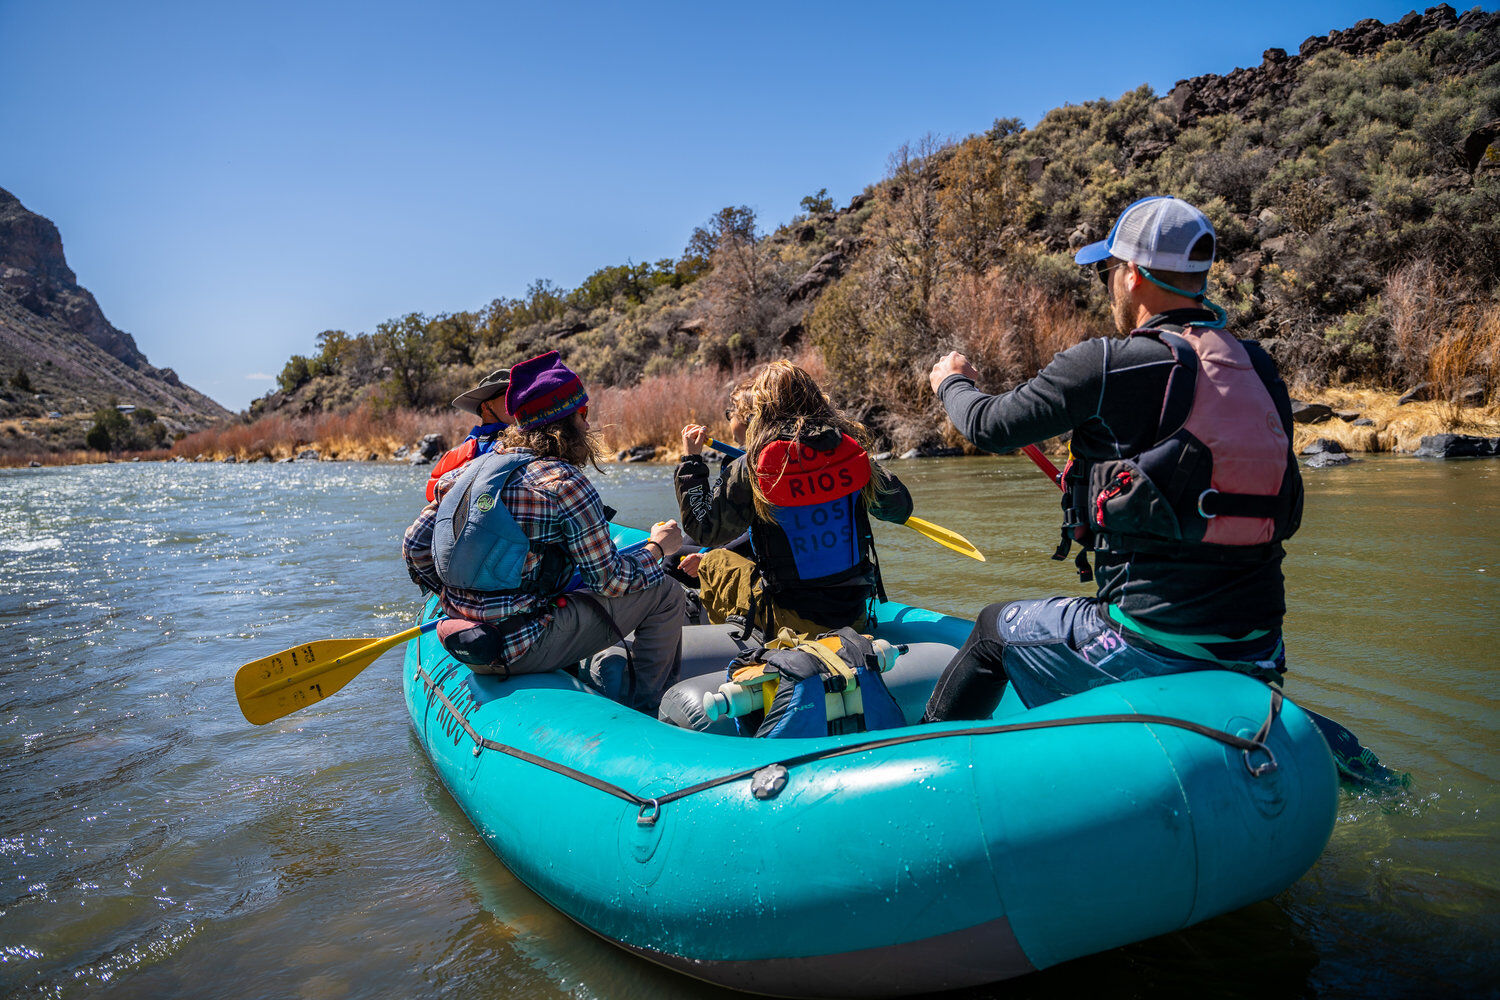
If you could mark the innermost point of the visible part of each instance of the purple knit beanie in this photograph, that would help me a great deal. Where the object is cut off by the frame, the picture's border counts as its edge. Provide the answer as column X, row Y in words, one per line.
column 543, row 390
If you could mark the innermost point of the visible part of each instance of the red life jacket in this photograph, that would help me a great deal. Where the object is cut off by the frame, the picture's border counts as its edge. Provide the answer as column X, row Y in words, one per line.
column 793, row 474
column 454, row 458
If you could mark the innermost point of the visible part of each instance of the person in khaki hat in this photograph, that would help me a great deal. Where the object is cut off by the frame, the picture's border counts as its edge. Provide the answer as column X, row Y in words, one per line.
column 487, row 402
column 1181, row 482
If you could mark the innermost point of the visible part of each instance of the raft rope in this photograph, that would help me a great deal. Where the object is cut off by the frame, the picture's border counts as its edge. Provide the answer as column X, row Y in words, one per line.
column 1255, row 744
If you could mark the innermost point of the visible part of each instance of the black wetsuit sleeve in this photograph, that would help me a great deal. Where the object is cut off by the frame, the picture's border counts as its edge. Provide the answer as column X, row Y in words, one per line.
column 1063, row 396
column 717, row 513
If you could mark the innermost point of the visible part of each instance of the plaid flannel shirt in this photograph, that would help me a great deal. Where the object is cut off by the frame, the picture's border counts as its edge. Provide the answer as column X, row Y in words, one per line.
column 554, row 503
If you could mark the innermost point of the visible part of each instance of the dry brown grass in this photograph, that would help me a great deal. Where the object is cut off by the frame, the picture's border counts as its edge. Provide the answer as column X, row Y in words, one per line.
column 357, row 434
column 1010, row 329
column 1465, row 358
column 1396, row 428
column 22, row 459
column 655, row 410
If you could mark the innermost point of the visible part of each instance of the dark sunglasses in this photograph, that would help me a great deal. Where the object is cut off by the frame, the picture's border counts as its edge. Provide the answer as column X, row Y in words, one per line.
column 728, row 414
column 1102, row 269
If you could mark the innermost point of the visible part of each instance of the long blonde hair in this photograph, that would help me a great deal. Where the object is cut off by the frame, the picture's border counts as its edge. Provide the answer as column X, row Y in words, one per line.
column 780, row 400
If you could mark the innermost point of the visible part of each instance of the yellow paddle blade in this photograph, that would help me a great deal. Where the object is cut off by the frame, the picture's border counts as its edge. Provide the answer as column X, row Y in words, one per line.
column 278, row 685
column 941, row 535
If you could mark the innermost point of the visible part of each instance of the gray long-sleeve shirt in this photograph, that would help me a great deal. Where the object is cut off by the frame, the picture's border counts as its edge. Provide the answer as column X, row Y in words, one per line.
column 1109, row 393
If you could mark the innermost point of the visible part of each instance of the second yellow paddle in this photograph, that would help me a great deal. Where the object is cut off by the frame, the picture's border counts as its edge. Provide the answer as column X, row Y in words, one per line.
column 943, row 536
column 936, row 532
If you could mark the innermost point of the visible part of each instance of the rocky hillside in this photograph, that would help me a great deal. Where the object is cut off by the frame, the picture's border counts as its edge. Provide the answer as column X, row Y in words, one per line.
column 60, row 355
column 1355, row 186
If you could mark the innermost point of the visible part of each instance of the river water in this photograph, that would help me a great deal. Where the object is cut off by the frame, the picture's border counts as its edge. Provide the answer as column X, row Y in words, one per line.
column 152, row 843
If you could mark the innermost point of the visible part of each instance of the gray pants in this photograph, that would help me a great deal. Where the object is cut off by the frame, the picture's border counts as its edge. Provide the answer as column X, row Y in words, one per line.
column 578, row 632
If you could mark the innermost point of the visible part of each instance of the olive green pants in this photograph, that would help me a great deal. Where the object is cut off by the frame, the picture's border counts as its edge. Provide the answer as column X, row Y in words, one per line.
column 726, row 584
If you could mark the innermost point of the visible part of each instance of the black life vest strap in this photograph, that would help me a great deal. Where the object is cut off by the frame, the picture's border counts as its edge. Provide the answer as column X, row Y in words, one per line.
column 1215, row 504
column 1177, row 401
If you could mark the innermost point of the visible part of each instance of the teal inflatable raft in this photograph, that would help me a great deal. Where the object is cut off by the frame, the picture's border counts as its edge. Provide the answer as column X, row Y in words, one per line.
column 884, row 863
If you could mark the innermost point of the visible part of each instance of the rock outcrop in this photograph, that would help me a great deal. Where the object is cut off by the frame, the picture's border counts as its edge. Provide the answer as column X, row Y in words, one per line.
column 1275, row 78
column 36, row 274
column 53, row 331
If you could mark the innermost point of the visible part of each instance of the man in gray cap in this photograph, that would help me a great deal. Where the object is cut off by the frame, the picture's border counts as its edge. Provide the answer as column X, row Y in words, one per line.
column 1181, row 482
column 487, row 402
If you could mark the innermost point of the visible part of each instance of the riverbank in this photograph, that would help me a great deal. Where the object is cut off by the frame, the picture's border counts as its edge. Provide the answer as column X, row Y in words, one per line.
column 642, row 423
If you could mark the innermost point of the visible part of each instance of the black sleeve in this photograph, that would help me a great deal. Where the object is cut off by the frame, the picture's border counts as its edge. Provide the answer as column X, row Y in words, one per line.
column 1060, row 398
column 893, row 501
column 715, row 514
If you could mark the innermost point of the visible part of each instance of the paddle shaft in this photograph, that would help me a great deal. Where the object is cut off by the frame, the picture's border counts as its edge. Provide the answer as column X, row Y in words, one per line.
column 1044, row 463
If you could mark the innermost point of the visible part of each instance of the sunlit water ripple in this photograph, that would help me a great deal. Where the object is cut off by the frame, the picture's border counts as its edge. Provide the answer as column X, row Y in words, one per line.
column 154, row 844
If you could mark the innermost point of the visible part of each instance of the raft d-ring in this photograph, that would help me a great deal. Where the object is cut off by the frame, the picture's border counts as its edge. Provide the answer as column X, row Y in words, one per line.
column 1204, row 496
column 642, row 819
column 1260, row 770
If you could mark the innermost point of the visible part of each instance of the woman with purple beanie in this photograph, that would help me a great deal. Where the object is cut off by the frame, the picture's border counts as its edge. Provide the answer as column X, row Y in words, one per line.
column 528, row 506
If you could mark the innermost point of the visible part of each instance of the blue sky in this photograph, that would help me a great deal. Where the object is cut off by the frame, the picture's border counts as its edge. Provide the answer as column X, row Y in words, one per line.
column 230, row 179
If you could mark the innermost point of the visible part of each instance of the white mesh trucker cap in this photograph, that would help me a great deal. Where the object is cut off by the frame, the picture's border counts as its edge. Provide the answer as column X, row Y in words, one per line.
column 1155, row 232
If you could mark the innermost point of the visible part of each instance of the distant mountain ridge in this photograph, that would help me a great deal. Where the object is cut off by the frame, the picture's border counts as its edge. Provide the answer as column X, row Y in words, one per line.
column 56, row 342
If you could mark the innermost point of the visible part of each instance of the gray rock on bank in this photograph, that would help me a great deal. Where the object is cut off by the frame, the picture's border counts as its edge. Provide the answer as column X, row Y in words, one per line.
column 1310, row 413
column 1457, row 446
column 1324, row 452
column 639, row 453
column 427, row 450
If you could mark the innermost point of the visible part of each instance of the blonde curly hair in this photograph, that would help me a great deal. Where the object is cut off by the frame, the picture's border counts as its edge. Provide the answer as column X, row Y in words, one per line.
column 780, row 400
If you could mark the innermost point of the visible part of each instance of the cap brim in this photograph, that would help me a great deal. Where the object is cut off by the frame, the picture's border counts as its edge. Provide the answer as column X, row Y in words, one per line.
column 469, row 402
column 1093, row 253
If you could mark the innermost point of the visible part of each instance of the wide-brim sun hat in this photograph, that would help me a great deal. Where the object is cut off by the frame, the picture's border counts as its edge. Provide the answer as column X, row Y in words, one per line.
column 1156, row 233
column 492, row 385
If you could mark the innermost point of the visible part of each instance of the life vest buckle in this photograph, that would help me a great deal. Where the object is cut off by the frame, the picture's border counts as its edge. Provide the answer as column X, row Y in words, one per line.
column 1203, row 497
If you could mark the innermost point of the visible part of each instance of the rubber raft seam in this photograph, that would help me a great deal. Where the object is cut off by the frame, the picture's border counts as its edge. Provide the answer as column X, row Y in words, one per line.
column 656, row 802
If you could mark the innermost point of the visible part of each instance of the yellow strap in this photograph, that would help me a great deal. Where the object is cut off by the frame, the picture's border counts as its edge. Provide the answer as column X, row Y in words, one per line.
column 830, row 659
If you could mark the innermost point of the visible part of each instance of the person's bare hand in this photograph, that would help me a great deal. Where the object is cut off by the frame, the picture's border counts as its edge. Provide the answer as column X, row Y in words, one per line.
column 951, row 363
column 694, row 437
column 689, row 564
column 668, row 535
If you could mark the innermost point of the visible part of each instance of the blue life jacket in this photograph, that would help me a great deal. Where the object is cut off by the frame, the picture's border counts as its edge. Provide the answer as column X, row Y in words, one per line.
column 810, row 690
column 476, row 543
column 815, row 493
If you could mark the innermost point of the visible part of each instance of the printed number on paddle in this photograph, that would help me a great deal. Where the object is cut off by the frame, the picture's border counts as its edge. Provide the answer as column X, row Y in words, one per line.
column 276, row 665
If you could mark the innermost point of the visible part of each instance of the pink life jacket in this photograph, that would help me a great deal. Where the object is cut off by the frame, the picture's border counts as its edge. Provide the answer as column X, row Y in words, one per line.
column 1221, row 475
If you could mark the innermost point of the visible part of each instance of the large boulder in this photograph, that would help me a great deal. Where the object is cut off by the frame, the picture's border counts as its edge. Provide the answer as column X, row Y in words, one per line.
column 1310, row 413
column 639, row 453
column 824, row 270
column 429, row 449
column 1457, row 446
column 1324, row 459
